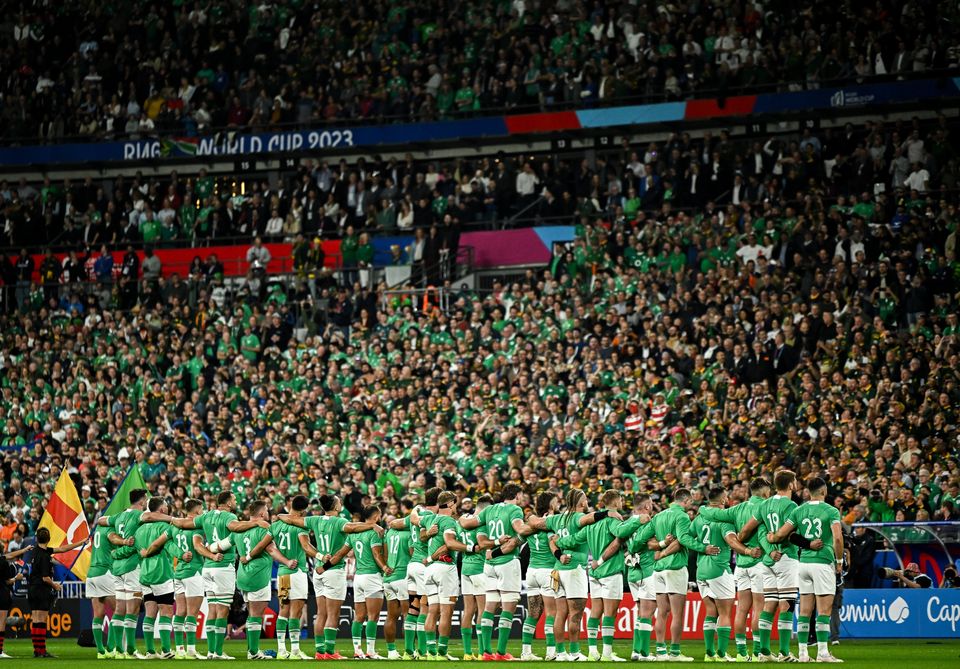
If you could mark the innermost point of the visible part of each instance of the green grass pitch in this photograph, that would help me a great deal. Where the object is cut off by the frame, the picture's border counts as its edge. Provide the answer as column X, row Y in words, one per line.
column 902, row 654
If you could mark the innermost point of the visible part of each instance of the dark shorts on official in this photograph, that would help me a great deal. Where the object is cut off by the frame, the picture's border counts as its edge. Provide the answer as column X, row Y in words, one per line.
column 40, row 599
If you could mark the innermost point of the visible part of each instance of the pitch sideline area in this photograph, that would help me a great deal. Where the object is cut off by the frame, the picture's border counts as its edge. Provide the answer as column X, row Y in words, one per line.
column 915, row 654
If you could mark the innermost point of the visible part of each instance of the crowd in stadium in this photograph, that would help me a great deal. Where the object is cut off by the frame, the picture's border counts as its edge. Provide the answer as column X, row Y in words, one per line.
column 135, row 70
column 806, row 317
column 731, row 308
column 897, row 168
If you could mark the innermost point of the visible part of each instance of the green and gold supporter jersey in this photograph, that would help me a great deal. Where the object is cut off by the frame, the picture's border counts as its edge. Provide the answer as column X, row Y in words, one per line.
column 125, row 524
column 419, row 547
column 771, row 514
column 100, row 558
column 738, row 516
column 255, row 575
column 184, row 540
column 287, row 539
column 813, row 520
column 499, row 519
column 328, row 532
column 641, row 557
column 363, row 545
column 157, row 568
column 214, row 526
column 711, row 534
column 566, row 525
column 473, row 563
column 541, row 557
column 673, row 520
column 597, row 538
column 398, row 554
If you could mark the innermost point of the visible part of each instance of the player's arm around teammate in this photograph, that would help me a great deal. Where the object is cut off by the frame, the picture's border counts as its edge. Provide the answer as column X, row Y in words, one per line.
column 442, row 575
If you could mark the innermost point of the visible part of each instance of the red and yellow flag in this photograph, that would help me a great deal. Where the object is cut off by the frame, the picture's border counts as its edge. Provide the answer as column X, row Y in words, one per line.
column 67, row 524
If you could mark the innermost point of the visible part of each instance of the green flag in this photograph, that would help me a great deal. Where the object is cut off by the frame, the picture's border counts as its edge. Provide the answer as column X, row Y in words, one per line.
column 121, row 500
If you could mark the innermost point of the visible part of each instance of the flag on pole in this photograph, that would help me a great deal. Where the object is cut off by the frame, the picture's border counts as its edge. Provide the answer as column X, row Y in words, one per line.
column 121, row 498
column 67, row 524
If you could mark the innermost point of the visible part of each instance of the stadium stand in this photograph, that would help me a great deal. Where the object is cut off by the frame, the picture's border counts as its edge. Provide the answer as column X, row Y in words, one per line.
column 181, row 69
column 756, row 304
column 770, row 301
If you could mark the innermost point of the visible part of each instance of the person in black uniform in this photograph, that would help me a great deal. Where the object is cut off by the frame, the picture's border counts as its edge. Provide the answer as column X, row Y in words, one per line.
column 9, row 575
column 42, row 589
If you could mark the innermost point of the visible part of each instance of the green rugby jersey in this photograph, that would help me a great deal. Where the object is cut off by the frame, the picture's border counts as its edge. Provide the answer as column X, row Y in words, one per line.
column 419, row 547
column 157, row 568
column 398, row 554
column 472, row 563
column 214, row 526
column 499, row 519
column 771, row 514
column 444, row 524
column 125, row 524
column 362, row 545
column 328, row 532
column 673, row 520
column 710, row 533
column 597, row 538
column 255, row 575
column 101, row 559
column 637, row 536
column 184, row 539
column 287, row 539
column 541, row 557
column 565, row 525
column 738, row 516
column 813, row 520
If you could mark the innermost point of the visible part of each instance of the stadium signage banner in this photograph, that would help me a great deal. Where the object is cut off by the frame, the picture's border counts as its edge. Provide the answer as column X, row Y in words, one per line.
column 327, row 139
column 900, row 613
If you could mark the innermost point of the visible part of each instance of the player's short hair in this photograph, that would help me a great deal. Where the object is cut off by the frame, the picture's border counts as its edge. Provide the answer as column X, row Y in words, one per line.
column 328, row 502
column 640, row 500
column 256, row 507
column 783, row 479
column 407, row 504
column 431, row 495
column 224, row 497
column 542, row 503
column 155, row 503
column 715, row 493
column 484, row 500
column 816, row 484
column 370, row 511
column 299, row 503
column 137, row 494
column 681, row 494
column 43, row 535
column 192, row 505
column 758, row 484
column 444, row 498
column 609, row 497
column 511, row 490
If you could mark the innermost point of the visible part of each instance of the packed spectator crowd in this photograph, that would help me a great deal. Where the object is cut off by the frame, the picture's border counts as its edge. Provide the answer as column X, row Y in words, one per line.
column 104, row 70
column 745, row 305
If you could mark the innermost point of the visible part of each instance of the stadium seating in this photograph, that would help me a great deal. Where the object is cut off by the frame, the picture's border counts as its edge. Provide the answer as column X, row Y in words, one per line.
column 184, row 69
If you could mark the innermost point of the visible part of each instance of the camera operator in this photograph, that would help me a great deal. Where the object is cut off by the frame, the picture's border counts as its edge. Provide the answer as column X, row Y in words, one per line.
column 950, row 578
column 909, row 577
